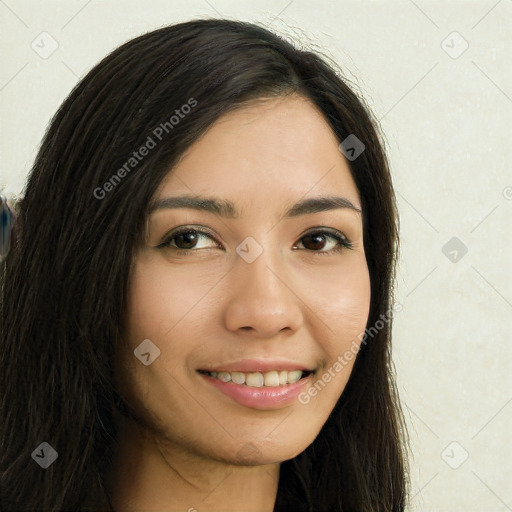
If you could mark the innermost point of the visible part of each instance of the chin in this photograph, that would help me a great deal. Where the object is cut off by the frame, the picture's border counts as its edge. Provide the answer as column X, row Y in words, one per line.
column 259, row 452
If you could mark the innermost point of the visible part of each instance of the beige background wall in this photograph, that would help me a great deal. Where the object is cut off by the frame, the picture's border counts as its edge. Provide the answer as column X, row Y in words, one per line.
column 438, row 76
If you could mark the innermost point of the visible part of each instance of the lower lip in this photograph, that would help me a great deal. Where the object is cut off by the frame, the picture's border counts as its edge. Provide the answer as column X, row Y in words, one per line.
column 265, row 397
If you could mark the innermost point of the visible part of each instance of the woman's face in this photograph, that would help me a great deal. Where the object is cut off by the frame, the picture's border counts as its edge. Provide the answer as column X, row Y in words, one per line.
column 257, row 290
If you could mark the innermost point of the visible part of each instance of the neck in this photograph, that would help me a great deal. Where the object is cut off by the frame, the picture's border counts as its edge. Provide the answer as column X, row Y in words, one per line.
column 149, row 475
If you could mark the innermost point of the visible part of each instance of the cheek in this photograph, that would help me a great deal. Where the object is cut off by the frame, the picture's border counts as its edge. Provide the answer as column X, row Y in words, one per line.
column 342, row 301
column 162, row 302
column 343, row 309
column 157, row 312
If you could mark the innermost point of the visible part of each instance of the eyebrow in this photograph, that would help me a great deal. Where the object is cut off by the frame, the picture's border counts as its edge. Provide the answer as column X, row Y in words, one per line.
column 228, row 210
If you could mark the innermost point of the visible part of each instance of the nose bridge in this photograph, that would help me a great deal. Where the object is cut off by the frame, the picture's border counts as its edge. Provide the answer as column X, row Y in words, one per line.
column 262, row 299
column 262, row 273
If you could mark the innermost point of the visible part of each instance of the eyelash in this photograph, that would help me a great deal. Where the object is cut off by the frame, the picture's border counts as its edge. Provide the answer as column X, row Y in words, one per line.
column 343, row 241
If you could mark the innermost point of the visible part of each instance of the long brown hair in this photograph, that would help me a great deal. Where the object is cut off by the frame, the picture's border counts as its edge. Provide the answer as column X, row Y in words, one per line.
column 65, row 279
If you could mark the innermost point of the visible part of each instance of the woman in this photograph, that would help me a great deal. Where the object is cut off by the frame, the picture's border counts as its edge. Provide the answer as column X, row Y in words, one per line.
column 196, row 308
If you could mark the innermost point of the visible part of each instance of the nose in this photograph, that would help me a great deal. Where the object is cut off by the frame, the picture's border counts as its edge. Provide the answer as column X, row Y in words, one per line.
column 263, row 299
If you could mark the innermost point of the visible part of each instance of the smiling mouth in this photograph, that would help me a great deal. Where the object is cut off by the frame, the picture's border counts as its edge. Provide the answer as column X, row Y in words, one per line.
column 272, row 378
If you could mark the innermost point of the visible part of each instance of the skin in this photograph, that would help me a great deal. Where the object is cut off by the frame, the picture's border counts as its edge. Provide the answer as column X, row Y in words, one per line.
column 194, row 448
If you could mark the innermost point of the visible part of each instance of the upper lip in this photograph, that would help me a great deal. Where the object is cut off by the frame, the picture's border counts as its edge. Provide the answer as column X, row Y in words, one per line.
column 258, row 365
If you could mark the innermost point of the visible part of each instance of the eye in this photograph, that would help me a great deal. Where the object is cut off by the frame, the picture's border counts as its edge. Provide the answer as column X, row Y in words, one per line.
column 186, row 239
column 316, row 240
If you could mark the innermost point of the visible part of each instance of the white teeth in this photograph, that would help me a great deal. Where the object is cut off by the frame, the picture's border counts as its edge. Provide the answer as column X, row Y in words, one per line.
column 238, row 377
column 224, row 376
column 257, row 379
column 254, row 380
column 294, row 376
column 271, row 379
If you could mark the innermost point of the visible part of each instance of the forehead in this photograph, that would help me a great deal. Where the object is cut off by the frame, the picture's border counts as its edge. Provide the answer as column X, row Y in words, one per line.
column 272, row 151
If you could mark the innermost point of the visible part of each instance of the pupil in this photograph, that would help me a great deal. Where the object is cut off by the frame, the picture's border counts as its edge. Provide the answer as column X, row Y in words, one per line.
column 188, row 234
column 318, row 241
